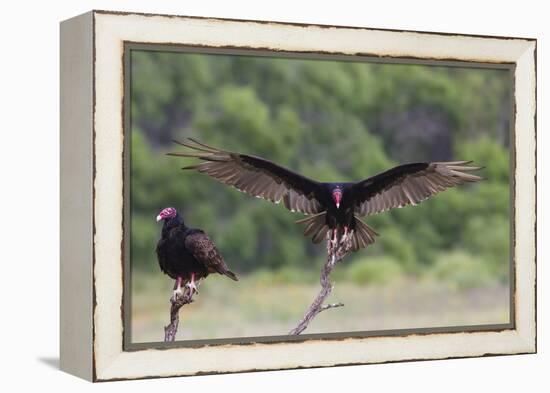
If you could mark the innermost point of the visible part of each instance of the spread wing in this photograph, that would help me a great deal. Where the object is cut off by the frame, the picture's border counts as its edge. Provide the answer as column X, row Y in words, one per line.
column 255, row 176
column 204, row 251
column 409, row 184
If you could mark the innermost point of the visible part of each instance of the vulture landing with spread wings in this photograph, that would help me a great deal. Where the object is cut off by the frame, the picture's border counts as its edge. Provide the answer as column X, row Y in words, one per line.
column 334, row 209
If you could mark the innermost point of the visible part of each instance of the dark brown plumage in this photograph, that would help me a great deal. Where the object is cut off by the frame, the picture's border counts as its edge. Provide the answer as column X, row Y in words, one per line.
column 205, row 252
column 187, row 254
column 334, row 207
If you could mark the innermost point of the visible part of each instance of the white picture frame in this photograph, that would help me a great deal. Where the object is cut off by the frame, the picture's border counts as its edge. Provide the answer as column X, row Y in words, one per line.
column 92, row 194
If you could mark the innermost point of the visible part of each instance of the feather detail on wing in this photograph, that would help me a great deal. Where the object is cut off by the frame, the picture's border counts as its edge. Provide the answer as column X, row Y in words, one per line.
column 410, row 184
column 205, row 251
column 255, row 176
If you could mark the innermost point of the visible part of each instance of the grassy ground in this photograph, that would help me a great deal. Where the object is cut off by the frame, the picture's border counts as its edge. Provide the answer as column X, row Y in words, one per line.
column 255, row 306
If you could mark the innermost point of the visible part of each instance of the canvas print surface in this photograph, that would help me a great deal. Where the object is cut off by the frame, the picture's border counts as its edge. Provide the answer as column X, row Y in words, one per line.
column 427, row 235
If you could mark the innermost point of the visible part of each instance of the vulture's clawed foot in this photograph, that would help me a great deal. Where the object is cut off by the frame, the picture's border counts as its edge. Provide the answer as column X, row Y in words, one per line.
column 177, row 289
column 176, row 294
column 346, row 237
column 192, row 287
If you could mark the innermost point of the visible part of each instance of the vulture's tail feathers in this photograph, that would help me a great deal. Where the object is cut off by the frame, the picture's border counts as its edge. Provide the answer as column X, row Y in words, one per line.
column 362, row 236
column 231, row 275
column 315, row 226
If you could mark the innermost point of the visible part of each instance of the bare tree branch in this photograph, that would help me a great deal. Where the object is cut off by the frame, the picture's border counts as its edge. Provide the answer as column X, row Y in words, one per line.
column 334, row 255
column 177, row 301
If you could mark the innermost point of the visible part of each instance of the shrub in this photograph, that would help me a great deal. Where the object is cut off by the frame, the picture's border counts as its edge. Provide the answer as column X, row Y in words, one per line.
column 461, row 270
column 490, row 240
column 283, row 275
column 374, row 270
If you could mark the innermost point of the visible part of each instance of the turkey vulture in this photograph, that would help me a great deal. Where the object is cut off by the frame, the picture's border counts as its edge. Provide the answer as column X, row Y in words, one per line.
column 187, row 253
column 334, row 207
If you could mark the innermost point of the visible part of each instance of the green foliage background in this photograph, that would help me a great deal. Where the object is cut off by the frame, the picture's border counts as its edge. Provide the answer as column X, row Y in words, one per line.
column 332, row 121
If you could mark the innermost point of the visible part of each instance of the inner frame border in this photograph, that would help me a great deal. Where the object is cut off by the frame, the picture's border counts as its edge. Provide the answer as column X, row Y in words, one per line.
column 129, row 46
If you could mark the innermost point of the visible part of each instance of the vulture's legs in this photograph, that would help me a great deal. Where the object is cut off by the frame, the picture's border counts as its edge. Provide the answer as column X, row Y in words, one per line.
column 177, row 288
column 345, row 235
column 333, row 238
column 192, row 286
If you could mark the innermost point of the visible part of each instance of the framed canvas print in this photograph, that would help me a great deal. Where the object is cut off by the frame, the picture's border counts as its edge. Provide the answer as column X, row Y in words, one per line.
column 247, row 195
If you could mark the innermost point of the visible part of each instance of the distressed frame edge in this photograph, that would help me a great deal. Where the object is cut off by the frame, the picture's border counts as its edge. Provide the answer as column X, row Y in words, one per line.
column 304, row 24
column 525, row 286
column 76, row 196
column 527, row 339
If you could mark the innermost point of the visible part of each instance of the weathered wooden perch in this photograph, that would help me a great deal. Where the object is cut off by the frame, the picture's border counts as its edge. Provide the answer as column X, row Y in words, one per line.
column 334, row 255
column 177, row 302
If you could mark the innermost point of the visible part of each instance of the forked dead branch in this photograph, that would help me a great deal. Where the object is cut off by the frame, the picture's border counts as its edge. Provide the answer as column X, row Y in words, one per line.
column 335, row 253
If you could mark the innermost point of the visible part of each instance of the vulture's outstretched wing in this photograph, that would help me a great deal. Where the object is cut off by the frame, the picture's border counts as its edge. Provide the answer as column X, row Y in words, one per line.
column 255, row 176
column 409, row 184
column 204, row 251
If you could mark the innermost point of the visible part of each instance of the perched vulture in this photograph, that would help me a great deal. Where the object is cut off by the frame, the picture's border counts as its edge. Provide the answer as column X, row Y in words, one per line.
column 334, row 207
column 187, row 254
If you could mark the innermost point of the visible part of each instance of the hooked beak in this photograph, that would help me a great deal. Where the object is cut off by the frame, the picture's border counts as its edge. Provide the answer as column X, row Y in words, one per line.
column 337, row 196
column 159, row 217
